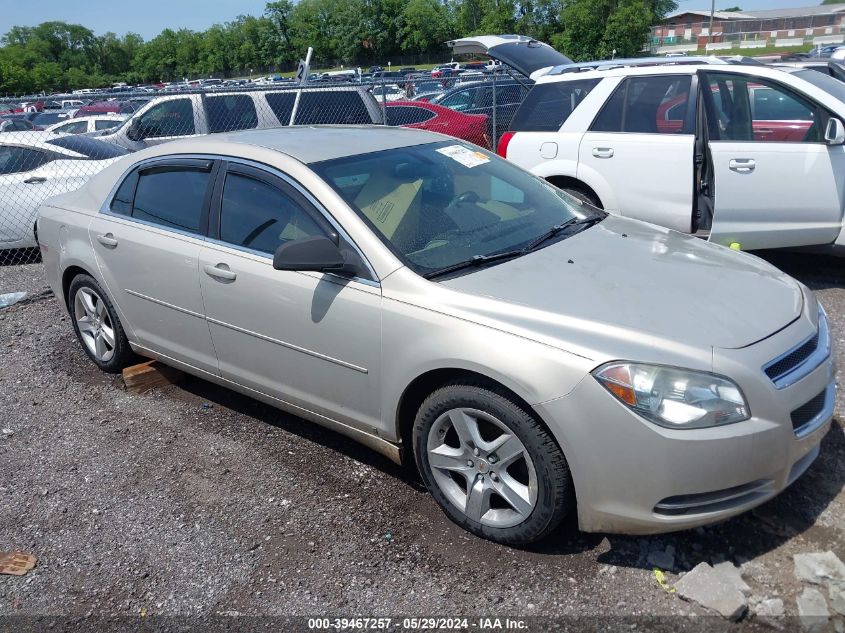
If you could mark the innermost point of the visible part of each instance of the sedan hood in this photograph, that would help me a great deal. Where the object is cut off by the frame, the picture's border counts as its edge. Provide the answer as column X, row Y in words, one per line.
column 645, row 280
column 522, row 53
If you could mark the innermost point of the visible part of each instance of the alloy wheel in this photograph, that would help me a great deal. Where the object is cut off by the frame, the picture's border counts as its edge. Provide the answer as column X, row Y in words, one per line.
column 482, row 467
column 94, row 323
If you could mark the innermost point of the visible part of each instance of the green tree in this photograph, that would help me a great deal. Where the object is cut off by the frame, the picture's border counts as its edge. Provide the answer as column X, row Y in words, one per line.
column 626, row 29
column 499, row 16
column 593, row 28
column 279, row 37
column 470, row 13
column 425, row 25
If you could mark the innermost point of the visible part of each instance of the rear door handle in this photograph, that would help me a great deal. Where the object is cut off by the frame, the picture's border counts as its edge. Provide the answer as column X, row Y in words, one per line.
column 742, row 165
column 35, row 180
column 108, row 240
column 603, row 152
column 220, row 273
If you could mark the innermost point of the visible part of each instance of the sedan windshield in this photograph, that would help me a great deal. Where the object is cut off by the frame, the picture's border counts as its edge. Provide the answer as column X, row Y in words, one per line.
column 441, row 205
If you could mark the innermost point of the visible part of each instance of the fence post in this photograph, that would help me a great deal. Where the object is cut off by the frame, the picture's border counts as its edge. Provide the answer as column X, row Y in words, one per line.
column 494, row 139
column 302, row 82
column 383, row 101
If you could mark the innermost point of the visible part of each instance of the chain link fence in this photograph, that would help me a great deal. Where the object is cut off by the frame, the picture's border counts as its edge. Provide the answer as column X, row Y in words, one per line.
column 52, row 145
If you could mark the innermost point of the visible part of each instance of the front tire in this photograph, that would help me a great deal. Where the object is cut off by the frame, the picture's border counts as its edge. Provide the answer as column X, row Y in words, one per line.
column 97, row 325
column 491, row 466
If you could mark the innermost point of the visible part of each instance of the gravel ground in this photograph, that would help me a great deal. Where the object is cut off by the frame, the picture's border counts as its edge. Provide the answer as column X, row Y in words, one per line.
column 193, row 500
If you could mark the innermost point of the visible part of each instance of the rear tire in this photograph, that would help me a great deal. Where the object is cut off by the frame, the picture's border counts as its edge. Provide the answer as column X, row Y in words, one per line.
column 492, row 467
column 97, row 325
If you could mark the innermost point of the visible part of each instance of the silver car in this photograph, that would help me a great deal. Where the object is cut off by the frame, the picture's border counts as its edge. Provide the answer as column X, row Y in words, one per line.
column 534, row 356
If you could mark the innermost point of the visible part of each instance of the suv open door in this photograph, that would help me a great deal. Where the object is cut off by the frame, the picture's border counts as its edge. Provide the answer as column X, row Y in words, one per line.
column 777, row 178
column 522, row 53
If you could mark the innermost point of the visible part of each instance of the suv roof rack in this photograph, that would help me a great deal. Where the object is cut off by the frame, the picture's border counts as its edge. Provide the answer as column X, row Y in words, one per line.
column 639, row 62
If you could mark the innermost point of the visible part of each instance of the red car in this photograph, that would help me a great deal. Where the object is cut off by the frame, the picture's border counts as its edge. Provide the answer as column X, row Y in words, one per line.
column 435, row 118
column 104, row 107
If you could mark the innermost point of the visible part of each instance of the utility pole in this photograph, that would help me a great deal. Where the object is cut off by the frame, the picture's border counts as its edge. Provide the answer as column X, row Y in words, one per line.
column 710, row 29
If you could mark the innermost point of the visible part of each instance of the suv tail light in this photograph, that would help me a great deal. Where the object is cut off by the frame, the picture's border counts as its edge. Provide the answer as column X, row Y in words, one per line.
column 504, row 141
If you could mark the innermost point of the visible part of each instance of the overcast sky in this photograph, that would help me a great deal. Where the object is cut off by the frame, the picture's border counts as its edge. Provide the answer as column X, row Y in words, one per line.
column 149, row 17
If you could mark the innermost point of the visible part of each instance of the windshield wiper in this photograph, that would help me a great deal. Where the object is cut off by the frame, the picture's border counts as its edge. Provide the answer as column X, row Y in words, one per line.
column 480, row 260
column 559, row 228
column 474, row 261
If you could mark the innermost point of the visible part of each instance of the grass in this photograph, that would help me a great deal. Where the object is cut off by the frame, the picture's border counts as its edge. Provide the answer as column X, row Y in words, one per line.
column 755, row 52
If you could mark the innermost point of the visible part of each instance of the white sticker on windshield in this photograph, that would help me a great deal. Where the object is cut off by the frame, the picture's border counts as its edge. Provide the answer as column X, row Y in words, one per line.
column 464, row 155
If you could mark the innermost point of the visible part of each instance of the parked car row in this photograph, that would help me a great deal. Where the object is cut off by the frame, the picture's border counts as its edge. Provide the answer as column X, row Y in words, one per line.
column 696, row 145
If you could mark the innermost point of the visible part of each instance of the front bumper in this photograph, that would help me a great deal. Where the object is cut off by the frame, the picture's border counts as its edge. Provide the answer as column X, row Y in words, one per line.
column 634, row 477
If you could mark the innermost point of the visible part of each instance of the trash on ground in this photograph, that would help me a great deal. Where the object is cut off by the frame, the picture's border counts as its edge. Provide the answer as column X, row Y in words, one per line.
column 10, row 298
column 16, row 563
column 660, row 577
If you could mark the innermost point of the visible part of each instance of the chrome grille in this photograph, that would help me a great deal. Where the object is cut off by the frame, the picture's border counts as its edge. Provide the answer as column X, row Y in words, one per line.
column 792, row 359
column 801, row 360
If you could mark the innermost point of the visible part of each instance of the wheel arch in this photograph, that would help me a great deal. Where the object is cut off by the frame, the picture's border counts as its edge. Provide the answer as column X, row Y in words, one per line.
column 68, row 275
column 427, row 383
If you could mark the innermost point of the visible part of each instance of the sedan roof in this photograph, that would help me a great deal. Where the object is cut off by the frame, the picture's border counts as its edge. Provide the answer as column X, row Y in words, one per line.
column 313, row 144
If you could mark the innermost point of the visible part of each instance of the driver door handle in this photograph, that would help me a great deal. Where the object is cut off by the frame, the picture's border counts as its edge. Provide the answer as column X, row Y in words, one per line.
column 35, row 180
column 220, row 273
column 742, row 165
column 108, row 240
column 603, row 152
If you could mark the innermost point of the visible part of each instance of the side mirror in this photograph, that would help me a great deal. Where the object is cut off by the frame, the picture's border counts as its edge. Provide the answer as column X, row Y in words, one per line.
column 134, row 132
column 835, row 132
column 316, row 253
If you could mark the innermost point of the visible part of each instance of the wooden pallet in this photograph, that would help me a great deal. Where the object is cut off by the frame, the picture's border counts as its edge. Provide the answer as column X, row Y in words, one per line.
column 146, row 376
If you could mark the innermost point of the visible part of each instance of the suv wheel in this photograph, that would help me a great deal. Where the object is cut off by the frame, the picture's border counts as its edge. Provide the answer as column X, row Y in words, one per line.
column 490, row 465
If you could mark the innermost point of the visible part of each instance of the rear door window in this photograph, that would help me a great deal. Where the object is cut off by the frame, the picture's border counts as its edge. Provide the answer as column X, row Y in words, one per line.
column 460, row 101
column 508, row 95
column 281, row 103
column 322, row 107
column 407, row 115
column 16, row 160
column 547, row 106
column 169, row 118
column 106, row 124
column 172, row 196
column 230, row 112
column 74, row 127
column 647, row 105
column 122, row 201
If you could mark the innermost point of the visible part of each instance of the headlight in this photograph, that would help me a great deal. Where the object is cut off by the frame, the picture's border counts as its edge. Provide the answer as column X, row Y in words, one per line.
column 672, row 397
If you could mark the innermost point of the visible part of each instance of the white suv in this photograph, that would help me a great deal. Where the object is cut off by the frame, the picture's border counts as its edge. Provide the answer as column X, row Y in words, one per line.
column 745, row 154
